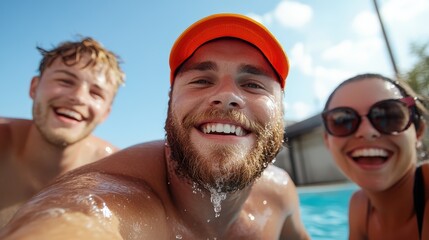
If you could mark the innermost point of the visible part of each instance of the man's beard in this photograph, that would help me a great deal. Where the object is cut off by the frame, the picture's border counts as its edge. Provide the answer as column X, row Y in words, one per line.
column 59, row 137
column 224, row 170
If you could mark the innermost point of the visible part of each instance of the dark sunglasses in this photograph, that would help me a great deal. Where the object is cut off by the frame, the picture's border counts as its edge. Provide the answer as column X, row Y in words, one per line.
column 390, row 116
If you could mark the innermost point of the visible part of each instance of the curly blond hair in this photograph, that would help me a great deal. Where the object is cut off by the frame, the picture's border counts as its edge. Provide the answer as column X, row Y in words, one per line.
column 72, row 53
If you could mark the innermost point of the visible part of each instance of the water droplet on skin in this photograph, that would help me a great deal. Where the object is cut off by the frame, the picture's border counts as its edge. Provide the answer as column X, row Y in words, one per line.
column 264, row 202
column 251, row 217
column 196, row 189
column 108, row 150
column 217, row 198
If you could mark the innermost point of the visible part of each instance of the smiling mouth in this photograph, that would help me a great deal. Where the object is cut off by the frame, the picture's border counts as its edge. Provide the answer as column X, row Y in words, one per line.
column 370, row 156
column 223, row 129
column 70, row 114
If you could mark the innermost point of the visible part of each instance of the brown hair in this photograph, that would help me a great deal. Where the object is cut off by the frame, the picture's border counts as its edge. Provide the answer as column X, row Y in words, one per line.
column 71, row 53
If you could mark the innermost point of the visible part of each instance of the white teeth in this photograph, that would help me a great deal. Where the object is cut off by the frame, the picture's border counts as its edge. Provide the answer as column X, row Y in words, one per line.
column 239, row 131
column 70, row 113
column 223, row 128
column 227, row 128
column 370, row 152
column 219, row 128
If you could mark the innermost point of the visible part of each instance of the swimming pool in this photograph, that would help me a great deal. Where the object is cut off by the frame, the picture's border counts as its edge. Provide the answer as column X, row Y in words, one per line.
column 324, row 210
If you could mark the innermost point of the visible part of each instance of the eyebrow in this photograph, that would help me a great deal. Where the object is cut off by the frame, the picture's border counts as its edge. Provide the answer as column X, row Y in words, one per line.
column 200, row 66
column 209, row 65
column 251, row 69
column 66, row 72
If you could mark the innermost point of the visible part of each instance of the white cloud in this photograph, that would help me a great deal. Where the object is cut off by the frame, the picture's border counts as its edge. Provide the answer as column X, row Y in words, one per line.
column 332, row 58
column 301, row 59
column 265, row 19
column 325, row 80
column 403, row 11
column 293, row 14
column 289, row 14
column 359, row 52
column 299, row 110
column 366, row 24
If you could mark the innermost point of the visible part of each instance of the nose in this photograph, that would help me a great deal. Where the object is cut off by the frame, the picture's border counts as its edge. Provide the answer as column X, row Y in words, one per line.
column 366, row 130
column 78, row 95
column 227, row 96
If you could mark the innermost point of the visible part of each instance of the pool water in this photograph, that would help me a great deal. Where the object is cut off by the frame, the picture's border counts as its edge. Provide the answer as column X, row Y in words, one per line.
column 324, row 210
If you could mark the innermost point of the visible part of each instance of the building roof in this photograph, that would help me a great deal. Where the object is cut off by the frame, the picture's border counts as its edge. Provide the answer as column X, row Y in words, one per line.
column 304, row 126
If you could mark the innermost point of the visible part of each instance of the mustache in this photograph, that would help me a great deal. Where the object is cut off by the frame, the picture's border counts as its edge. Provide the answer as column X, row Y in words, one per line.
column 190, row 120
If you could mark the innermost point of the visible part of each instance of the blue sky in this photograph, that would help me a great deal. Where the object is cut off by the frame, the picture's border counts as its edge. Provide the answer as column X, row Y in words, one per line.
column 327, row 41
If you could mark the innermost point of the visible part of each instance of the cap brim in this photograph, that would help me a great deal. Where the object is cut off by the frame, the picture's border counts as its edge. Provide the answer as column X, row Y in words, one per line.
column 229, row 25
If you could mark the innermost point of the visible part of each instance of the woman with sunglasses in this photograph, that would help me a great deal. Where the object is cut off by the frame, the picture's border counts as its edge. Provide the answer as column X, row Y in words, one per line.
column 374, row 126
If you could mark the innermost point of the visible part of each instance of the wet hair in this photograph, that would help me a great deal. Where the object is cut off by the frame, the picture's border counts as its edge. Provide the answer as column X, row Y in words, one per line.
column 71, row 53
column 419, row 111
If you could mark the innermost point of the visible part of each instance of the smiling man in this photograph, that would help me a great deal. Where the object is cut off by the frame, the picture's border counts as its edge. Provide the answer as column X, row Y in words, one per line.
column 71, row 96
column 212, row 177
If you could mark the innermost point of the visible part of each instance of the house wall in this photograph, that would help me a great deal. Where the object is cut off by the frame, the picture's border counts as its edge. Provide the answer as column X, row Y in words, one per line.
column 307, row 160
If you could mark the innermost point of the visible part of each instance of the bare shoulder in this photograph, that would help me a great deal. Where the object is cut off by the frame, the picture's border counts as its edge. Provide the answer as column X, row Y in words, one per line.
column 276, row 183
column 100, row 147
column 357, row 214
column 358, row 201
column 276, row 177
column 143, row 161
column 13, row 132
column 15, row 121
column 5, row 120
column 277, row 188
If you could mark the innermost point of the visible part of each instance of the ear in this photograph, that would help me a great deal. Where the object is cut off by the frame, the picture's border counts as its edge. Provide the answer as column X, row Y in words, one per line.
column 33, row 86
column 422, row 128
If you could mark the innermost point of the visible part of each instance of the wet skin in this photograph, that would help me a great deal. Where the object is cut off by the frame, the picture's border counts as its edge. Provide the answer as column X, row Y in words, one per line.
column 139, row 190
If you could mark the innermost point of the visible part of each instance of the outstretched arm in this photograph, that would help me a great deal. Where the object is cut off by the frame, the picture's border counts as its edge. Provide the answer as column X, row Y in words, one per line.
column 86, row 206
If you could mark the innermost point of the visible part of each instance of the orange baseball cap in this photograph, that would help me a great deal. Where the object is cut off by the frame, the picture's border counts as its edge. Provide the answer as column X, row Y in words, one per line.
column 229, row 25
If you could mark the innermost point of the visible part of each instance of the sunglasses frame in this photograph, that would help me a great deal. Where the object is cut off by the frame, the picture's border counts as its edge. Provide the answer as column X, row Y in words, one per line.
column 409, row 102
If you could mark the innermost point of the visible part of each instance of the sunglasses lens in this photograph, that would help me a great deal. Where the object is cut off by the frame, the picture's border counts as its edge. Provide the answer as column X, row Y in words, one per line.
column 341, row 121
column 390, row 117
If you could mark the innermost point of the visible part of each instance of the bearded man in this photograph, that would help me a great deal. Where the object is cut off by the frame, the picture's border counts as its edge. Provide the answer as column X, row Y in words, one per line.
column 212, row 177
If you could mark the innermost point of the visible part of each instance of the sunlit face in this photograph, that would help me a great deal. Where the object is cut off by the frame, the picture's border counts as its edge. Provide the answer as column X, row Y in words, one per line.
column 225, row 121
column 70, row 101
column 373, row 160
